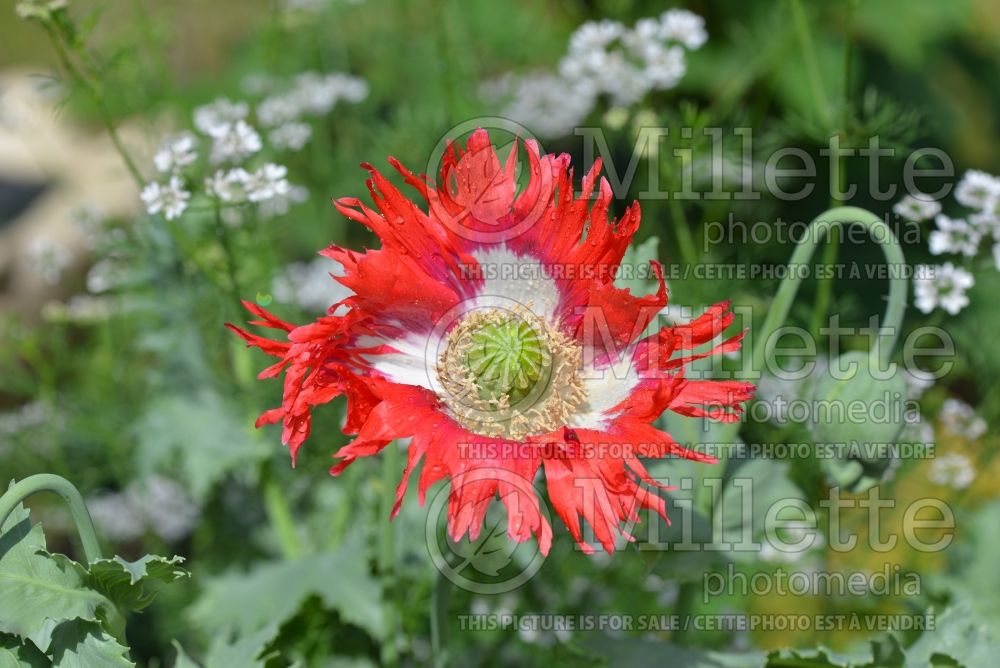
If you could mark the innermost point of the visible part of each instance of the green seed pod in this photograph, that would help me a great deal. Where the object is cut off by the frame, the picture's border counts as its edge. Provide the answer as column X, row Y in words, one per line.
column 862, row 410
column 508, row 358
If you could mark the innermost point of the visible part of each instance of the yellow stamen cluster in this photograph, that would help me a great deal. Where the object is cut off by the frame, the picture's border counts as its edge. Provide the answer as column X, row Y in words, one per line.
column 508, row 374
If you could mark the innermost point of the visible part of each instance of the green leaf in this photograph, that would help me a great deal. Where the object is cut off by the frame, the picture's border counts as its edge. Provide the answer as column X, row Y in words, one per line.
column 640, row 652
column 274, row 591
column 974, row 568
column 201, row 435
column 882, row 654
column 124, row 582
column 748, row 495
column 245, row 651
column 82, row 644
column 17, row 653
column 37, row 589
column 959, row 635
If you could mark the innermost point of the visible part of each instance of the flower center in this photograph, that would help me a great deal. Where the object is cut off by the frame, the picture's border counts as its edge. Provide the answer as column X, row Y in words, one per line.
column 507, row 357
column 508, row 374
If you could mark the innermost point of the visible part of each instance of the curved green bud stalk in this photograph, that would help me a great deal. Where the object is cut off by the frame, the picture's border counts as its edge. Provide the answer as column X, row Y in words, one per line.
column 47, row 482
column 821, row 225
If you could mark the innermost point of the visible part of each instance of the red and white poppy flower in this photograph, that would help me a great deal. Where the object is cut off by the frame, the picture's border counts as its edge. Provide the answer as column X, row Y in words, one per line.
column 488, row 330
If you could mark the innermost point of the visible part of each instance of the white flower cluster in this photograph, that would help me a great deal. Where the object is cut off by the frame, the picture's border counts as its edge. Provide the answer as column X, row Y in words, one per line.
column 311, row 285
column 238, row 185
column 953, row 470
column 917, row 207
column 941, row 285
column 170, row 198
column 603, row 58
column 548, row 104
column 39, row 9
column 960, row 419
column 945, row 285
column 176, row 153
column 311, row 95
column 158, row 504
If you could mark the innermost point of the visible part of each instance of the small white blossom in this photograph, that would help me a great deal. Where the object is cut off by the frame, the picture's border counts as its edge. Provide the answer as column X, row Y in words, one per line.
column 683, row 26
column 664, row 67
column 960, row 419
column 229, row 185
column 233, row 142
column 954, row 235
column 168, row 198
column 278, row 110
column 209, row 117
column 39, row 9
column 176, row 153
column 311, row 94
column 917, row 207
column 978, row 189
column 49, row 259
column 545, row 103
column 953, row 469
column 266, row 182
column 290, row 136
column 941, row 285
column 986, row 223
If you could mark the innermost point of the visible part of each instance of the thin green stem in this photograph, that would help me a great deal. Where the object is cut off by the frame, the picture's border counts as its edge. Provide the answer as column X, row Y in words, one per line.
column 824, row 290
column 443, row 45
column 687, row 597
column 838, row 176
column 387, row 552
column 439, row 620
column 227, row 248
column 47, row 482
column 811, row 60
column 764, row 339
column 685, row 241
column 91, row 82
column 279, row 515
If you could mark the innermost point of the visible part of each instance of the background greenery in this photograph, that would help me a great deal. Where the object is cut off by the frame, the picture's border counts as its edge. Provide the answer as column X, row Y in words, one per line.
column 293, row 566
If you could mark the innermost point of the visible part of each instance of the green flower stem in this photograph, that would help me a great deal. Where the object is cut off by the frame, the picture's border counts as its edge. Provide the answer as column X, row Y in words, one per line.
column 91, row 83
column 838, row 176
column 811, row 60
column 280, row 517
column 227, row 248
column 439, row 613
column 387, row 552
column 764, row 340
column 685, row 241
column 47, row 482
